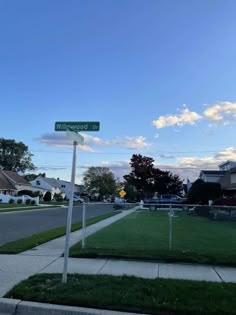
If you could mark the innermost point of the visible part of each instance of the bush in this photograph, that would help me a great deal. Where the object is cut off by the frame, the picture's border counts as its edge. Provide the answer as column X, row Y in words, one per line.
column 201, row 192
column 19, row 201
column 11, row 200
column 27, row 201
column 33, row 202
column 58, row 197
column 225, row 202
column 47, row 196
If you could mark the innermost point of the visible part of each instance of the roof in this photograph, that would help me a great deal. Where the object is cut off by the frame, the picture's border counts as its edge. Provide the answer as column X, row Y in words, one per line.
column 226, row 162
column 51, row 181
column 5, row 183
column 207, row 172
column 16, row 178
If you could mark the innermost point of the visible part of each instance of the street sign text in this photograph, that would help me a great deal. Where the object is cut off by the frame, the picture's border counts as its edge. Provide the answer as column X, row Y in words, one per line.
column 77, row 125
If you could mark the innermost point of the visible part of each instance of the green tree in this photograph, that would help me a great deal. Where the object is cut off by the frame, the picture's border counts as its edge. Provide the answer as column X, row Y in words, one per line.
column 201, row 192
column 15, row 156
column 47, row 196
column 147, row 179
column 131, row 192
column 141, row 175
column 100, row 182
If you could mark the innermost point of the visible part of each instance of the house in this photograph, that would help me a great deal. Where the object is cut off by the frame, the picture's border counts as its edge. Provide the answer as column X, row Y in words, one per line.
column 225, row 176
column 228, row 183
column 12, row 183
column 55, row 186
column 44, row 184
column 66, row 187
column 228, row 165
column 211, row 176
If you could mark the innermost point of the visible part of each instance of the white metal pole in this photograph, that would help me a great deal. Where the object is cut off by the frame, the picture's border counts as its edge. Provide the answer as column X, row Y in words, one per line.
column 69, row 215
column 170, row 228
column 84, row 226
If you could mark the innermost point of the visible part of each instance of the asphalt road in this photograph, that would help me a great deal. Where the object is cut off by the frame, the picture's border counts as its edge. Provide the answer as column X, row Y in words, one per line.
column 16, row 225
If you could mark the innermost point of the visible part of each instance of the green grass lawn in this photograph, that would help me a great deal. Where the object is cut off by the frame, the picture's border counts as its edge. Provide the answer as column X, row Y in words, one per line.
column 123, row 293
column 34, row 240
column 145, row 235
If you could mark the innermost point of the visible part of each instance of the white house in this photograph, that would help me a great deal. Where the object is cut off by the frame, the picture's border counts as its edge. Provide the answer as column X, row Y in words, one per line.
column 66, row 187
column 44, row 184
column 55, row 186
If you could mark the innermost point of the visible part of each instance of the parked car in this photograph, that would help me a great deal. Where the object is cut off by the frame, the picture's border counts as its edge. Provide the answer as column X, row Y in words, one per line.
column 164, row 199
column 78, row 199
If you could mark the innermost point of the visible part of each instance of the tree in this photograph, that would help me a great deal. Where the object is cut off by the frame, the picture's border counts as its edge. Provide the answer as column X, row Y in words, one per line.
column 202, row 192
column 47, row 196
column 99, row 181
column 147, row 179
column 141, row 175
column 15, row 156
column 131, row 192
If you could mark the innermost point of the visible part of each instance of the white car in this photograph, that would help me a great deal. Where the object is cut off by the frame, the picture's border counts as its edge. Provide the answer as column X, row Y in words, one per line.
column 78, row 199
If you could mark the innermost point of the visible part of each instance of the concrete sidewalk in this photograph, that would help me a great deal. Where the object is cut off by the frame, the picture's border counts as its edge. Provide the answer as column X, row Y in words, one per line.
column 47, row 258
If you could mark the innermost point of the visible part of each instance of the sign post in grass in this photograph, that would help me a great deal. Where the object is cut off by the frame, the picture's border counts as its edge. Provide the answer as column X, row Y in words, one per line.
column 170, row 227
column 72, row 129
column 84, row 226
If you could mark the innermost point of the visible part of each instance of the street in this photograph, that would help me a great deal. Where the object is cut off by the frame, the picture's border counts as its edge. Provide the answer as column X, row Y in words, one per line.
column 16, row 225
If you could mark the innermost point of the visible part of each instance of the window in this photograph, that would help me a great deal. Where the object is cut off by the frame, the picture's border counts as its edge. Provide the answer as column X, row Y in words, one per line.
column 37, row 182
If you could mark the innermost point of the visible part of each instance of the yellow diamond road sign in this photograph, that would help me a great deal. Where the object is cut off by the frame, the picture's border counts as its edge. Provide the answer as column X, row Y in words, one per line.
column 122, row 193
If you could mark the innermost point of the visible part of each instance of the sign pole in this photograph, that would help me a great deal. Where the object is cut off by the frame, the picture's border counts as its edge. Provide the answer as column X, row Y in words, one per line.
column 84, row 226
column 69, row 216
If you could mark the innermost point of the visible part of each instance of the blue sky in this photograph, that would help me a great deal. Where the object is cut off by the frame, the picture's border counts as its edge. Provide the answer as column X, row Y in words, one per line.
column 159, row 75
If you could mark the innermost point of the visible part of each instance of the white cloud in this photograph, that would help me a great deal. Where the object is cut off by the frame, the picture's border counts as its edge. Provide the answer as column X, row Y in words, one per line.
column 190, row 167
column 136, row 143
column 61, row 140
column 186, row 117
column 221, row 113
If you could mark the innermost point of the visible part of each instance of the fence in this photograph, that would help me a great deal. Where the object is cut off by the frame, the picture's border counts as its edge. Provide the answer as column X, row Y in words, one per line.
column 24, row 198
column 173, row 232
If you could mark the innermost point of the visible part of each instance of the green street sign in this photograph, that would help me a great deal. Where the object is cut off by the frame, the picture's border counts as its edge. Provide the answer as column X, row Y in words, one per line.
column 75, row 136
column 77, row 125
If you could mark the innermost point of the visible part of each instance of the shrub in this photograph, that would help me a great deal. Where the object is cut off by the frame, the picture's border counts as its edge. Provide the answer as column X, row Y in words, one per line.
column 225, row 202
column 27, row 201
column 201, row 192
column 33, row 202
column 19, row 201
column 58, row 197
column 11, row 200
column 47, row 196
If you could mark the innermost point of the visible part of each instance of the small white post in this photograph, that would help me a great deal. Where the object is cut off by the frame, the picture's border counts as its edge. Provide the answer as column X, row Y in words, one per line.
column 69, row 216
column 170, row 228
column 141, row 204
column 84, row 226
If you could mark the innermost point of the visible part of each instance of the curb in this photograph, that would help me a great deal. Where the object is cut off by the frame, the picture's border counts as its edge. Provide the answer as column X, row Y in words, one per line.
column 8, row 306
column 17, row 307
